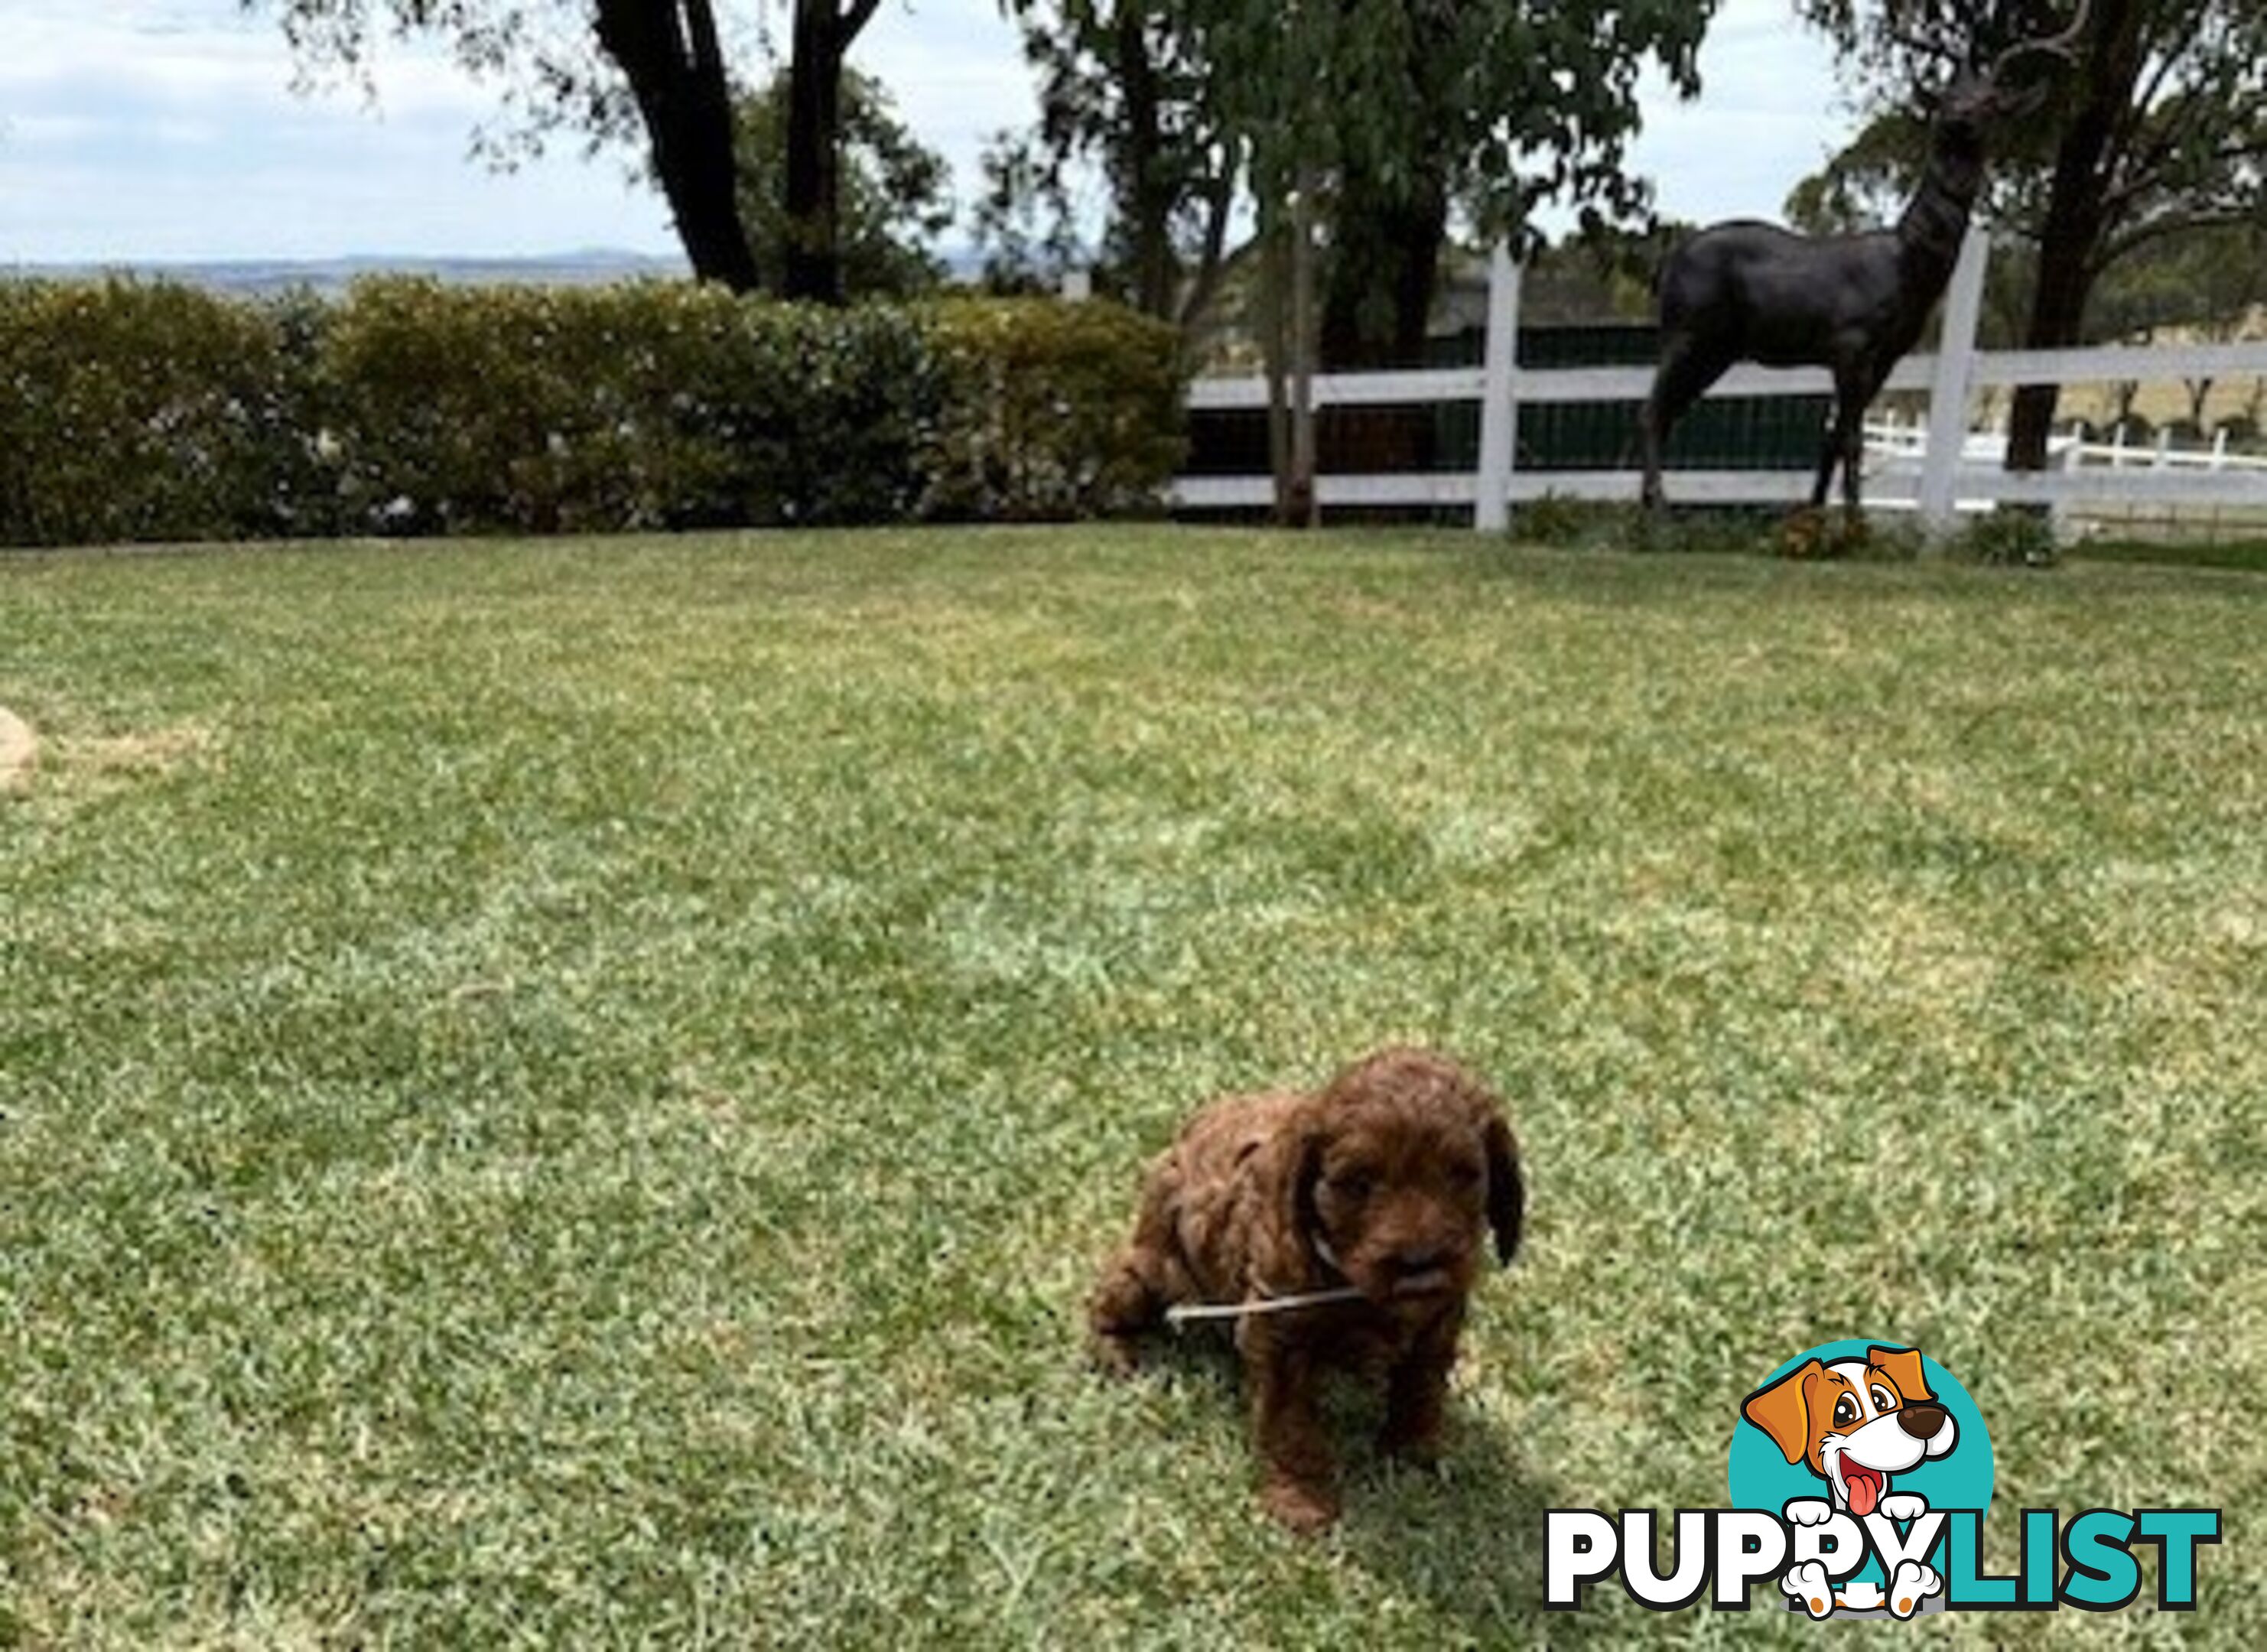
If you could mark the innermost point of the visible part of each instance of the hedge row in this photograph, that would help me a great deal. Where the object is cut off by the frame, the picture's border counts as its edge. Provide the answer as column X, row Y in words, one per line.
column 132, row 410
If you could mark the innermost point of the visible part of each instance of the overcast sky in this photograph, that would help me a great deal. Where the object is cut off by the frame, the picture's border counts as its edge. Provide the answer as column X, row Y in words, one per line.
column 155, row 130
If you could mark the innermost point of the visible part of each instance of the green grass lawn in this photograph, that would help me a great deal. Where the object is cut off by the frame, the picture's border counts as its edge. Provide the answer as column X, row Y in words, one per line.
column 569, row 1093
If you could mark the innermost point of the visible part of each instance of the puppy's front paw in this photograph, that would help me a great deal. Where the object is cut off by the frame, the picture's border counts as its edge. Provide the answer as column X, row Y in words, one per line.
column 1305, row 1508
column 1903, row 1506
column 1910, row 1584
column 1808, row 1583
column 1807, row 1511
column 1113, row 1355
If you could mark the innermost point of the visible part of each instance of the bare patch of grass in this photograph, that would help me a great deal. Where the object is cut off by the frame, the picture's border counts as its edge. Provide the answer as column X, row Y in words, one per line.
column 19, row 747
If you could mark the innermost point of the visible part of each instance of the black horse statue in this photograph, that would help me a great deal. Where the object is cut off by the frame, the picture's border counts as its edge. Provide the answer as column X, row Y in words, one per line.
column 1747, row 290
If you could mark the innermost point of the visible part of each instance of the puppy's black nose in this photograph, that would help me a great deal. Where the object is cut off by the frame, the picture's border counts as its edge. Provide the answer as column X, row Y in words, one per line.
column 1420, row 1258
column 1923, row 1422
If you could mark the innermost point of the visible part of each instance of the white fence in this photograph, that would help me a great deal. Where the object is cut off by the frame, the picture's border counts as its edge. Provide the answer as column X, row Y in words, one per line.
column 1943, row 473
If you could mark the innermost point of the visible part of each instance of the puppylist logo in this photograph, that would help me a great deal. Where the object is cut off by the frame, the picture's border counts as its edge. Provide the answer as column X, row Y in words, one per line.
column 1858, row 1476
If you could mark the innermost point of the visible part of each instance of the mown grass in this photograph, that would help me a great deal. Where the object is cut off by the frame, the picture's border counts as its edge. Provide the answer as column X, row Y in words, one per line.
column 2247, row 555
column 568, row 1093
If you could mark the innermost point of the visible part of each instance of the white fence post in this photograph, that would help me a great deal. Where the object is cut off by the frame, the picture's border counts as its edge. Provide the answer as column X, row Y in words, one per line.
column 2059, row 512
column 1947, row 391
column 1499, row 409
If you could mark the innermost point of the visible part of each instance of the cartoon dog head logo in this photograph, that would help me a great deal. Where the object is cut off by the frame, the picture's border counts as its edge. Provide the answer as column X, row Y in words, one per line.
column 1859, row 1477
column 1860, row 1446
column 1856, row 1423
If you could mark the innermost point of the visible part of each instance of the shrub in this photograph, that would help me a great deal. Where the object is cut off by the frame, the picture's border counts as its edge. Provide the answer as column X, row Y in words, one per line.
column 1565, row 523
column 637, row 406
column 133, row 410
column 1052, row 410
column 2013, row 536
column 152, row 411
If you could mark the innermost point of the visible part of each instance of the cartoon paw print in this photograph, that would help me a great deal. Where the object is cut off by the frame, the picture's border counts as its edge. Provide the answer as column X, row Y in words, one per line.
column 1903, row 1506
column 1909, row 1585
column 1807, row 1511
column 1807, row 1584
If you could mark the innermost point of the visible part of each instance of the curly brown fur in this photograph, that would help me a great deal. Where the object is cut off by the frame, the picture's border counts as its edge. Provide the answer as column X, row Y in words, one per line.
column 1389, row 1179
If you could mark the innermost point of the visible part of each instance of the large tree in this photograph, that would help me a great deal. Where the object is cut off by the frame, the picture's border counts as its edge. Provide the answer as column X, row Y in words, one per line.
column 1493, row 106
column 1397, row 112
column 2160, row 130
column 649, row 70
column 1357, row 129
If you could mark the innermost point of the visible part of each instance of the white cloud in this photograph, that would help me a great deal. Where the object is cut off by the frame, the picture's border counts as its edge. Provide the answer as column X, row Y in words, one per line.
column 1766, row 116
column 150, row 131
column 166, row 128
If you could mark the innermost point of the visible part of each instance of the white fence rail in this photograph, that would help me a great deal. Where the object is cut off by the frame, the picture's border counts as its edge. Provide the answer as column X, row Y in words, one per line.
column 1944, row 470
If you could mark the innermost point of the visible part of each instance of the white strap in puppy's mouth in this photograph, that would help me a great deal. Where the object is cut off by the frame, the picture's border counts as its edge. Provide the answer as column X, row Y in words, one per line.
column 1268, row 1300
column 1182, row 1313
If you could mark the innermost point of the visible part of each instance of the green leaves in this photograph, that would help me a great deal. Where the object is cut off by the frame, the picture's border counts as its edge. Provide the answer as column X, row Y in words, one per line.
column 137, row 411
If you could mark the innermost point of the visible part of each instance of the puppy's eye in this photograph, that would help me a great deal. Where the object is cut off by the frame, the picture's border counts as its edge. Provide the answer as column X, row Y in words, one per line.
column 1845, row 1410
column 1353, row 1187
column 1884, row 1399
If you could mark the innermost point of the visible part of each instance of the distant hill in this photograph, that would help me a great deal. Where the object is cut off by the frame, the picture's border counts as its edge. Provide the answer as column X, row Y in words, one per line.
column 584, row 268
column 589, row 268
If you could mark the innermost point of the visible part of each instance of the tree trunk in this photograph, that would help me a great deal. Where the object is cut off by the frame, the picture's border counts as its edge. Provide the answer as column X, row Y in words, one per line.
column 1386, row 262
column 1388, row 223
column 813, row 200
column 1303, row 506
column 814, row 125
column 1203, row 284
column 2067, row 248
column 1385, row 265
column 1275, row 348
column 1147, row 196
column 2070, row 241
column 668, row 51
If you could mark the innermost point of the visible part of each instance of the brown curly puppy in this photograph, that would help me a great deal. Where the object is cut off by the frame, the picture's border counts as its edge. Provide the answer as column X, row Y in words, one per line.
column 1388, row 1179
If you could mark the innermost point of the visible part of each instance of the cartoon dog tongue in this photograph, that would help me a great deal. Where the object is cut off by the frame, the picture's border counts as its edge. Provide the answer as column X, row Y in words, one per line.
column 1865, row 1486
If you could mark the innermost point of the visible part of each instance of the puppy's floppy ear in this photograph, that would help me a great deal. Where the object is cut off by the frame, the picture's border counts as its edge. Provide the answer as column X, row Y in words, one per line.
column 1507, row 1194
column 1783, row 1410
column 1902, row 1368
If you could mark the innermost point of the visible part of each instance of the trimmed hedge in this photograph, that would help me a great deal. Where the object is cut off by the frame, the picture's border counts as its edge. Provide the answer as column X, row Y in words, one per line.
column 133, row 410
column 1052, row 410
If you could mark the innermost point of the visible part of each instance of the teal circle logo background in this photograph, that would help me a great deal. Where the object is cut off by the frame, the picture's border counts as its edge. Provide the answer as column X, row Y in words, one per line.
column 1759, row 1476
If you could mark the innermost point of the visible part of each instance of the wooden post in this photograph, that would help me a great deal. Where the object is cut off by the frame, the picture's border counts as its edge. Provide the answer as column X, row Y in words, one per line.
column 1305, row 507
column 1499, row 409
column 1947, row 392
